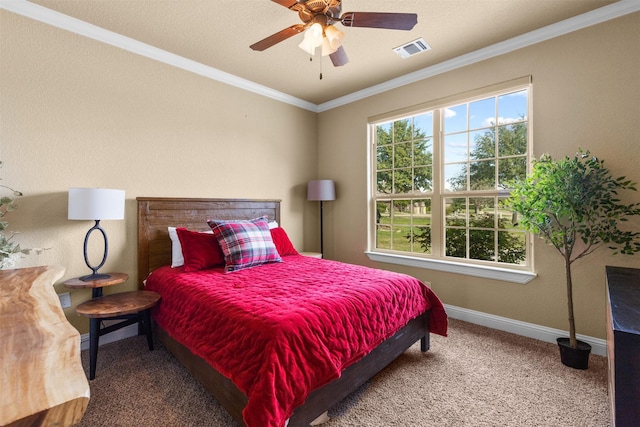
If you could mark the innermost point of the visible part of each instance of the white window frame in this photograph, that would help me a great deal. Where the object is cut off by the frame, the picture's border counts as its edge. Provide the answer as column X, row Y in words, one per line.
column 521, row 274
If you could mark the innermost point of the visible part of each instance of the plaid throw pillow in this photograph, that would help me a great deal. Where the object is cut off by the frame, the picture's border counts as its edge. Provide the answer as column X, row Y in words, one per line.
column 245, row 243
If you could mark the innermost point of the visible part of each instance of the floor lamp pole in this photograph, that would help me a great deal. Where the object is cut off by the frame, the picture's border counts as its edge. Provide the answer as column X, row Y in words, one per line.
column 321, row 232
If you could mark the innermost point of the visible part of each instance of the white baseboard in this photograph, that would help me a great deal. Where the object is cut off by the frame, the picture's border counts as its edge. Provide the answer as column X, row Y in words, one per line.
column 120, row 334
column 531, row 330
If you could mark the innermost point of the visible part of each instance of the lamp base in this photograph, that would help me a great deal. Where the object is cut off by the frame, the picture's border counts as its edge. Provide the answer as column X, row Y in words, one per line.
column 94, row 276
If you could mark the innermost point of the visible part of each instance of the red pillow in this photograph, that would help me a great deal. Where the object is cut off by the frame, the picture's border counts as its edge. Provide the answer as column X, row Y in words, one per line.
column 200, row 250
column 282, row 242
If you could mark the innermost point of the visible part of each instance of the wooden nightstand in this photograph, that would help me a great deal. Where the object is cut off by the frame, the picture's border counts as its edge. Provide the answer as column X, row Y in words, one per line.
column 130, row 307
column 312, row 254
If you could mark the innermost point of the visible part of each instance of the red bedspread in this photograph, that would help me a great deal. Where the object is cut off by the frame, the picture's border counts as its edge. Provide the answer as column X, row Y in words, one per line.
column 279, row 331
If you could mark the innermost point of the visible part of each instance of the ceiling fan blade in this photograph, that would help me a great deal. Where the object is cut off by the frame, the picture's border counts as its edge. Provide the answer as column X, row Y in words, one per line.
column 392, row 21
column 339, row 57
column 278, row 37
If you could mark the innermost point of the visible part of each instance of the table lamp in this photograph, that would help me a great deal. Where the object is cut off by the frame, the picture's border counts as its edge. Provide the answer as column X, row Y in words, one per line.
column 95, row 204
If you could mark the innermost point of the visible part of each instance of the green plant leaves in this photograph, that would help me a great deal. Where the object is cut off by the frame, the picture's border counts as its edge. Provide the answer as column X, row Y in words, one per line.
column 576, row 198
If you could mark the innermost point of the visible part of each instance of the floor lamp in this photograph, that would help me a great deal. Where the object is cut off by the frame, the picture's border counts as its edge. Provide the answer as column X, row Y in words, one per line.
column 322, row 190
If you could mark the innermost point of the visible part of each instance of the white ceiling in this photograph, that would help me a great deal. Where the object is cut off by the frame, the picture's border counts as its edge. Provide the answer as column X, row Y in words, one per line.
column 217, row 35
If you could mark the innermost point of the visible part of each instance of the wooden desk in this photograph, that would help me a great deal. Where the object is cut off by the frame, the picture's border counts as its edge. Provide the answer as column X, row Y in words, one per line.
column 43, row 382
column 130, row 307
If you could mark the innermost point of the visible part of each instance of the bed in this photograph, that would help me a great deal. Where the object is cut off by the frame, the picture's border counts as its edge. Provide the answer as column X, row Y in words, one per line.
column 156, row 214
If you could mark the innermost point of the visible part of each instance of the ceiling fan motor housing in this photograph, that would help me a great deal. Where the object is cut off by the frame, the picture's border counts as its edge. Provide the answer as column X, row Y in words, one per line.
column 320, row 11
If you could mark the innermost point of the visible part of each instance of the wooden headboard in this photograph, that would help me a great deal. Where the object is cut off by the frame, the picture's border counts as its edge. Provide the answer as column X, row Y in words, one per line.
column 155, row 214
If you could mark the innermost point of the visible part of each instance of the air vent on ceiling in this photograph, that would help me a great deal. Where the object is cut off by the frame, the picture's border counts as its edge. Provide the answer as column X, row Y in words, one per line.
column 412, row 48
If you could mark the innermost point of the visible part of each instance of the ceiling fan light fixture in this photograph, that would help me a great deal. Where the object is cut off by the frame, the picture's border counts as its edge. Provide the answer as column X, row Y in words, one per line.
column 327, row 49
column 307, row 46
column 334, row 36
column 312, row 39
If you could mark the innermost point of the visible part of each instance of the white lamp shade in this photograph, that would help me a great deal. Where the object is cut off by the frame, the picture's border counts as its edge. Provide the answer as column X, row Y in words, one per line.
column 307, row 46
column 96, row 203
column 312, row 39
column 326, row 47
column 322, row 189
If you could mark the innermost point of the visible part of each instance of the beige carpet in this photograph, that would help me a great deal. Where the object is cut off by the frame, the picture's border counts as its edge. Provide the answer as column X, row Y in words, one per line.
column 475, row 377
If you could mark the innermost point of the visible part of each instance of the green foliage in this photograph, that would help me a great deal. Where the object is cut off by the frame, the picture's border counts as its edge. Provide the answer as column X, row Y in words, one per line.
column 573, row 204
column 511, row 249
column 404, row 158
column 7, row 247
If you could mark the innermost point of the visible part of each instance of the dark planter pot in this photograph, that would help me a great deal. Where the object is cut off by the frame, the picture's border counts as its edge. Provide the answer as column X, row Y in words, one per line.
column 577, row 358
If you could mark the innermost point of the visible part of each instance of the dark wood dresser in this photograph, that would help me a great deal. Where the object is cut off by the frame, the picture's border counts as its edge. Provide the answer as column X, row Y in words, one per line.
column 623, row 344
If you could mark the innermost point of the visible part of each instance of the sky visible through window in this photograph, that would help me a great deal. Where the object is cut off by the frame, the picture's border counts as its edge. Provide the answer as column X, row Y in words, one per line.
column 465, row 123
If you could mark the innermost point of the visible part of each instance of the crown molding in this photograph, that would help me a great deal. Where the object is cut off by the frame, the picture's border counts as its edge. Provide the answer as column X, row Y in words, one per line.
column 597, row 16
column 65, row 22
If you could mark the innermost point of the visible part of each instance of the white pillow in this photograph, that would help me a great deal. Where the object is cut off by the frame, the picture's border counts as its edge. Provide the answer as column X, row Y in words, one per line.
column 177, row 259
column 273, row 224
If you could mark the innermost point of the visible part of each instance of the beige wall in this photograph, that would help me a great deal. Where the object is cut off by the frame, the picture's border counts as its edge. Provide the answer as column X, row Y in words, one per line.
column 585, row 94
column 76, row 112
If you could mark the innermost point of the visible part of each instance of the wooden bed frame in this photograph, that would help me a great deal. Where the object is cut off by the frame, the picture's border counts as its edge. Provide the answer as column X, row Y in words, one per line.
column 155, row 214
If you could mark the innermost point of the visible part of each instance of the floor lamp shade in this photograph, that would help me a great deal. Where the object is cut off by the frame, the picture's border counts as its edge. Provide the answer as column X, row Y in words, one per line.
column 95, row 204
column 322, row 190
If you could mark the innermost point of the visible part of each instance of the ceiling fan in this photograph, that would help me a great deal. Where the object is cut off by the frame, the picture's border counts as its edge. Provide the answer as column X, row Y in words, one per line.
column 318, row 17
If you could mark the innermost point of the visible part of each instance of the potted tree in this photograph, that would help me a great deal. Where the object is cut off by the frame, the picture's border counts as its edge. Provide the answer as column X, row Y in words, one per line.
column 573, row 205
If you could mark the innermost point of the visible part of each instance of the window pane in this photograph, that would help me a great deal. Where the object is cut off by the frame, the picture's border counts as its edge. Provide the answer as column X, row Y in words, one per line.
column 482, row 175
column 456, row 242
column 422, row 240
column 402, row 155
column 481, row 212
column 402, row 181
column 511, row 247
column 401, row 212
column 512, row 107
column 402, row 130
column 482, row 113
column 455, row 177
column 423, row 125
column 512, row 139
column 422, row 212
column 383, row 225
column 422, row 179
column 401, row 238
column 456, row 211
column 455, row 148
column 506, row 217
column 423, row 152
column 511, row 169
column 383, row 134
column 482, row 144
column 383, row 184
column 482, row 245
column 383, row 157
column 455, row 118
